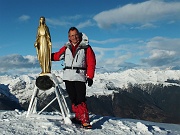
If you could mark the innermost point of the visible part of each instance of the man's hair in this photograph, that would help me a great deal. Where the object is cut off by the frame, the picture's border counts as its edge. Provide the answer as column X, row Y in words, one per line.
column 73, row 28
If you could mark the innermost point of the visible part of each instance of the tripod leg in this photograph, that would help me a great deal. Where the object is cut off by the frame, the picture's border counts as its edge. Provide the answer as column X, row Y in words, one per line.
column 66, row 109
column 32, row 105
column 61, row 104
column 59, row 101
column 61, row 97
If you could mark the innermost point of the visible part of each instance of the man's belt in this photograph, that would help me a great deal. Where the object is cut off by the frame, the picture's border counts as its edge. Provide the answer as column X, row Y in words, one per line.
column 75, row 68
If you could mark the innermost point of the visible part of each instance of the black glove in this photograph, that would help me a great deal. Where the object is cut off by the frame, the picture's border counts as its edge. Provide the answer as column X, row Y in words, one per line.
column 90, row 82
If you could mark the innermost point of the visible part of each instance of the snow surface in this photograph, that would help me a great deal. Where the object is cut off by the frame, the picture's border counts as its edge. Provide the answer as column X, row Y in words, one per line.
column 21, row 87
column 16, row 123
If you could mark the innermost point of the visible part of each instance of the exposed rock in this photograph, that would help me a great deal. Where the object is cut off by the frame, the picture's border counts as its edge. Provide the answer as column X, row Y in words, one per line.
column 161, row 105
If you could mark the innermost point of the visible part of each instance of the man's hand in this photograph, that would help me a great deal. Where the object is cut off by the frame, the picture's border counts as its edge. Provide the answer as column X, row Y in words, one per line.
column 90, row 82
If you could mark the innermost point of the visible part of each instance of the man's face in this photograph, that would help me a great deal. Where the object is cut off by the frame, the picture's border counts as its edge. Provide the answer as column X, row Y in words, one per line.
column 74, row 36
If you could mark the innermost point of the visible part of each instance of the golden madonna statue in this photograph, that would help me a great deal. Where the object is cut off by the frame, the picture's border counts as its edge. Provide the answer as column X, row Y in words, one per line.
column 43, row 46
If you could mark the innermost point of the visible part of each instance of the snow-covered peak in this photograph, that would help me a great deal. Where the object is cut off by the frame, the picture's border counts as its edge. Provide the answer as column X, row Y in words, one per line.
column 120, row 79
column 134, row 76
column 22, row 86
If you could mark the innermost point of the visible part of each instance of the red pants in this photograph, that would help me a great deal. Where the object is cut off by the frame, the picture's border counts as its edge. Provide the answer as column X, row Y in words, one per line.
column 81, row 112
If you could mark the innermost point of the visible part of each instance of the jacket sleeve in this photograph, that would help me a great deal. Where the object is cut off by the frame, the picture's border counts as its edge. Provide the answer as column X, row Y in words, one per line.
column 91, row 62
column 57, row 55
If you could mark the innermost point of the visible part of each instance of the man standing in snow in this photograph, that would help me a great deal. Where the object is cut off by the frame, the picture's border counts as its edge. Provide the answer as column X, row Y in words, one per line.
column 80, row 62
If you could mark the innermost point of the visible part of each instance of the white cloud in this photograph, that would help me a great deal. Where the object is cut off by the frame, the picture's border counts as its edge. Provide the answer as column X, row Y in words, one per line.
column 161, row 58
column 145, row 26
column 116, row 56
column 63, row 21
column 31, row 59
column 17, row 63
column 163, row 52
column 116, row 61
column 57, row 22
column 163, row 43
column 85, row 24
column 74, row 17
column 24, row 18
column 156, row 52
column 140, row 13
column 112, row 40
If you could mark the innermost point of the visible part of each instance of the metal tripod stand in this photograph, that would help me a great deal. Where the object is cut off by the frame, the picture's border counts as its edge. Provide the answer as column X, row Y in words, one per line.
column 59, row 96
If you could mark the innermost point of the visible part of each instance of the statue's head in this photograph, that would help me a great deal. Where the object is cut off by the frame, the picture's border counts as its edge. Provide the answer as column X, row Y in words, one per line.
column 42, row 20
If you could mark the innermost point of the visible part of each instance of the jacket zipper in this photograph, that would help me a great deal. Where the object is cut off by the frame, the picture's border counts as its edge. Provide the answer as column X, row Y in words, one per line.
column 76, row 58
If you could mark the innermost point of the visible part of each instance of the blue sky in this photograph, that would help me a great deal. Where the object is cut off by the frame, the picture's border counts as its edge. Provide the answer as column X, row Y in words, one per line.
column 123, row 33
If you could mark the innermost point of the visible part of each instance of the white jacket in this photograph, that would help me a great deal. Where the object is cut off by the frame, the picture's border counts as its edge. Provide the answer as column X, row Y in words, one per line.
column 75, row 67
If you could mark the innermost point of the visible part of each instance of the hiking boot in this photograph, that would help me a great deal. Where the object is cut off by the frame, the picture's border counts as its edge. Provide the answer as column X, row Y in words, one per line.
column 76, row 121
column 86, row 126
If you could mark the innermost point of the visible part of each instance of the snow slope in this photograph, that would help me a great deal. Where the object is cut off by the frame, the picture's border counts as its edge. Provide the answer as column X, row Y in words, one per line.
column 16, row 123
column 20, row 88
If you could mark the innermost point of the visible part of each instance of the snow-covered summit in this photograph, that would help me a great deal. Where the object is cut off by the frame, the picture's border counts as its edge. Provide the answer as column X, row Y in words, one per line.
column 23, row 85
column 20, row 87
column 16, row 123
column 134, row 76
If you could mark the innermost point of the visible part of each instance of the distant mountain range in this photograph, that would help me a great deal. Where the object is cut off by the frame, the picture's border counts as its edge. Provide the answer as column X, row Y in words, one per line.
column 134, row 93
